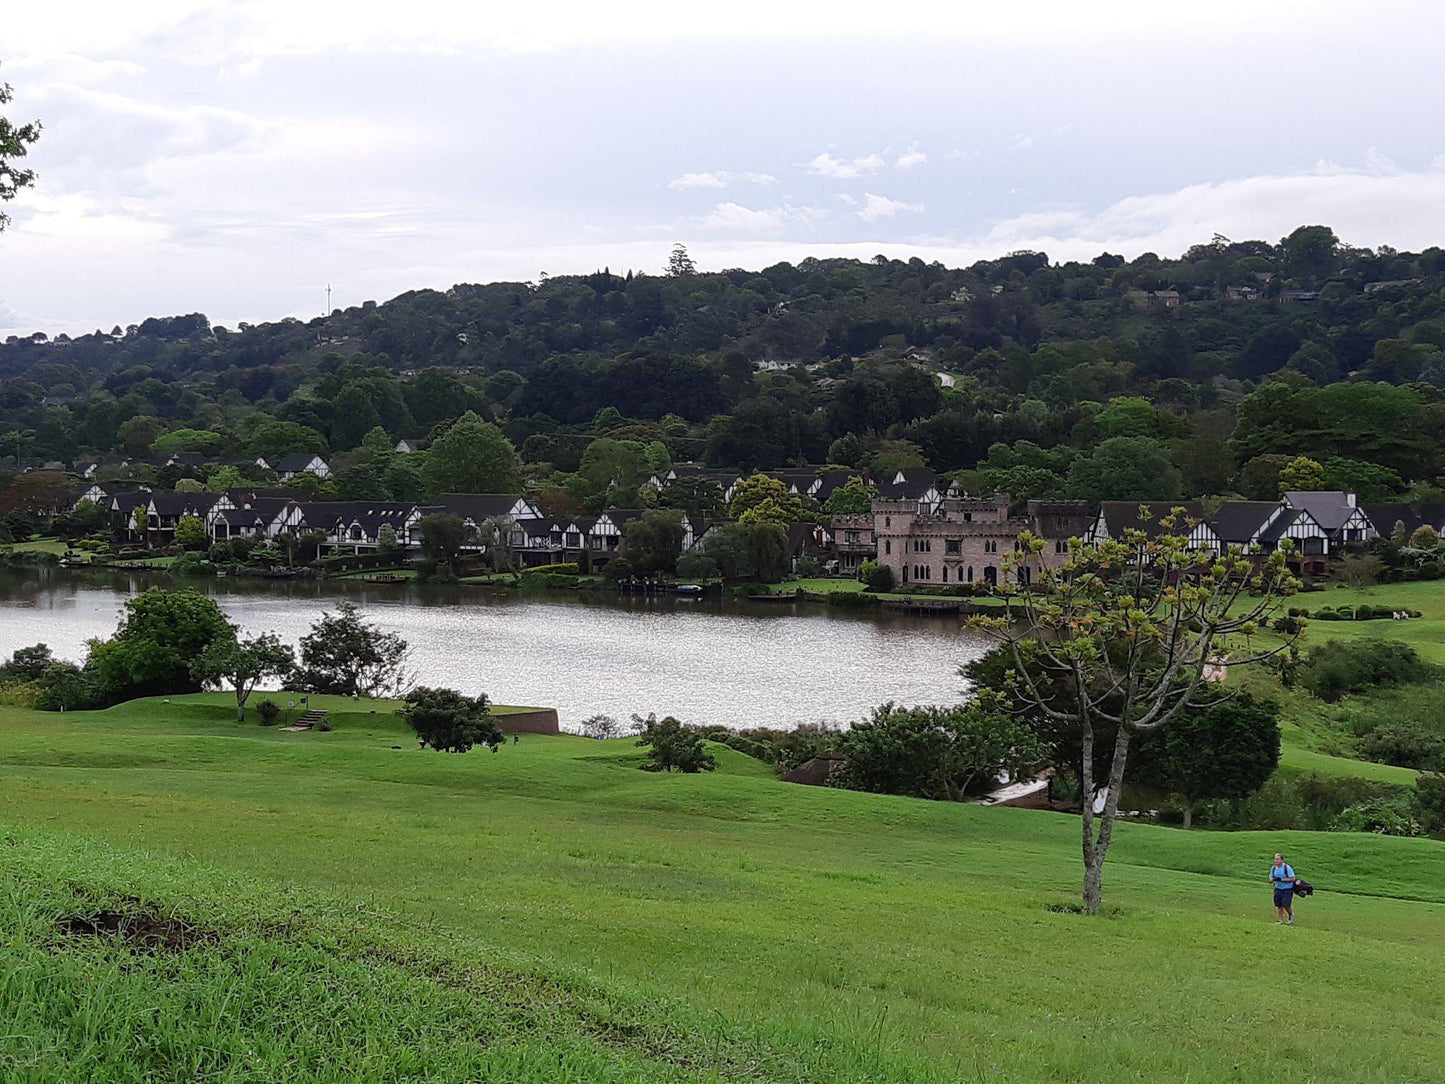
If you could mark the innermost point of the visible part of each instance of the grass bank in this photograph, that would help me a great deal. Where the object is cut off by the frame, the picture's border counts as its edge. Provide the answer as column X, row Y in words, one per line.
column 895, row 940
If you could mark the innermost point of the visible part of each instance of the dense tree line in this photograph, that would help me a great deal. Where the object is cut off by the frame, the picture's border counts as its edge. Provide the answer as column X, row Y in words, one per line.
column 1185, row 376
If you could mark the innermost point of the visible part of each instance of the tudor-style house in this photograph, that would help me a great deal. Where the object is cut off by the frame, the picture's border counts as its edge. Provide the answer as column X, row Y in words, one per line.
column 962, row 540
column 298, row 463
column 1338, row 513
column 1115, row 518
column 1260, row 526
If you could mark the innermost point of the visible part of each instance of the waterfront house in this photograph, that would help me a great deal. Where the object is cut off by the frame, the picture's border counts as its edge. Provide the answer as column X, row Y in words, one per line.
column 916, row 484
column 966, row 540
column 95, row 493
column 853, row 541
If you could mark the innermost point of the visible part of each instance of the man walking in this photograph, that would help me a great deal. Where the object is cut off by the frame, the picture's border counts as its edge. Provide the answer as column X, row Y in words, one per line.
column 1282, row 877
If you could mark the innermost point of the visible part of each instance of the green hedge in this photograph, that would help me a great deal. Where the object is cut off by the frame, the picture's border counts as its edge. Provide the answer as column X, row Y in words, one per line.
column 565, row 568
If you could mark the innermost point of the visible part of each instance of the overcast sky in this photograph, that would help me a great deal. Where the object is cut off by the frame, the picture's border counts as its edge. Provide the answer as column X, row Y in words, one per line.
column 234, row 158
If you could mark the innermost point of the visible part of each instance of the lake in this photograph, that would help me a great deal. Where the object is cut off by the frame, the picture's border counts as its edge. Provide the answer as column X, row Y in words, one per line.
column 705, row 661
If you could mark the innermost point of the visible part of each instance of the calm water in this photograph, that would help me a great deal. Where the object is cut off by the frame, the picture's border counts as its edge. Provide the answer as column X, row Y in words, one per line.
column 703, row 661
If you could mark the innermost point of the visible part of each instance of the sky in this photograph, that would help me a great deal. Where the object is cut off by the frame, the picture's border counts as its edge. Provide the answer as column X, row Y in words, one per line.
column 236, row 158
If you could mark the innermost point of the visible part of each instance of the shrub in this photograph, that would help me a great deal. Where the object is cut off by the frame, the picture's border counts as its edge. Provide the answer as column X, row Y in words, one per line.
column 1306, row 802
column 696, row 566
column 268, row 710
column 1429, row 800
column 1334, row 668
column 1404, row 744
column 449, row 722
column 563, row 568
column 619, row 568
column 672, row 747
column 1377, row 816
column 876, row 577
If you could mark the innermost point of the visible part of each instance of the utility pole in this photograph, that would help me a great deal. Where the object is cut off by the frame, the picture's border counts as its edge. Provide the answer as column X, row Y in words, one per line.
column 328, row 300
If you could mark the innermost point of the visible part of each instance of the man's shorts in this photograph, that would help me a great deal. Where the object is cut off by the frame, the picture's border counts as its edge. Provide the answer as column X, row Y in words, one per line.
column 1284, row 897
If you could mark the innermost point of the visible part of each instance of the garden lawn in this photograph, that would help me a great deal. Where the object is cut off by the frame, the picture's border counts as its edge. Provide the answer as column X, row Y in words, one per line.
column 1426, row 634
column 825, row 934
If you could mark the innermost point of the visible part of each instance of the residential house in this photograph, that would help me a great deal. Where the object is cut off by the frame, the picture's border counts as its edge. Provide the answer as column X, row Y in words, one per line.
column 164, row 511
column 1116, row 518
column 476, row 509
column 808, row 540
column 407, row 445
column 298, row 463
column 1262, row 525
column 356, row 526
column 853, row 541
column 1337, row 512
column 917, row 484
column 95, row 493
column 1386, row 516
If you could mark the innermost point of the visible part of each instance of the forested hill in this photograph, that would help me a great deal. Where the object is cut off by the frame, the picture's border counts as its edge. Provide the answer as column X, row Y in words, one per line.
column 1232, row 352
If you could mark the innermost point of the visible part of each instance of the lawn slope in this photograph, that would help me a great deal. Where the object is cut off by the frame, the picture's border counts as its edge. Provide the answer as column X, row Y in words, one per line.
column 904, row 940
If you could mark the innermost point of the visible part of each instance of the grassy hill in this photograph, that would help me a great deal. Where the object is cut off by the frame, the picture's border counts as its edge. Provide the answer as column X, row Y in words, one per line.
column 473, row 917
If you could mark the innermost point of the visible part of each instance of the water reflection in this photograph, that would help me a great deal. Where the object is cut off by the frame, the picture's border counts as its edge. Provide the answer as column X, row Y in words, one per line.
column 736, row 664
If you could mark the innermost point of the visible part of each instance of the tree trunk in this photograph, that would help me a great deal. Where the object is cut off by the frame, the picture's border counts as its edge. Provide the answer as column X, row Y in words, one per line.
column 1094, row 885
column 240, row 709
column 1188, row 815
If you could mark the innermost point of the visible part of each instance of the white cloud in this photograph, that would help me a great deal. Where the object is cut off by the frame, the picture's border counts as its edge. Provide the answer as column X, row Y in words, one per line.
column 718, row 178
column 826, row 165
column 910, row 158
column 715, row 179
column 1021, row 142
column 958, row 154
column 736, row 218
column 876, row 207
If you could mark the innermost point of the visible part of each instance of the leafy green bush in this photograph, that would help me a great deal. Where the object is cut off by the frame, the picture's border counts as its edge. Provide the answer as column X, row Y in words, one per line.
column 1377, row 816
column 695, row 567
column 1430, row 801
column 268, row 710
column 1305, row 802
column 1405, row 744
column 1334, row 668
column 876, row 577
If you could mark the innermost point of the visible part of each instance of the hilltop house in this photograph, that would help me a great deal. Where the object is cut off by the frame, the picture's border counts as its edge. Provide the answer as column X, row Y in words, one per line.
column 290, row 466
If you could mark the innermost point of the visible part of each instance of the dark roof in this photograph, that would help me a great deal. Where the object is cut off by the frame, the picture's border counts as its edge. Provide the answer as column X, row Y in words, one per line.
column 1384, row 516
column 1287, row 519
column 830, row 480
column 128, row 502
column 619, row 516
column 1121, row 516
column 1237, row 522
column 183, row 504
column 478, row 507
column 296, row 461
column 1330, row 507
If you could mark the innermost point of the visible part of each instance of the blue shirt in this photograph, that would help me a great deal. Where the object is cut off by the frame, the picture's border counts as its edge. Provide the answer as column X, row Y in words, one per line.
column 1281, row 876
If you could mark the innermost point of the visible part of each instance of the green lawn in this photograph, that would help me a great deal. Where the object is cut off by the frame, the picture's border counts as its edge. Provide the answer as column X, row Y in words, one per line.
column 700, row 927
column 1426, row 633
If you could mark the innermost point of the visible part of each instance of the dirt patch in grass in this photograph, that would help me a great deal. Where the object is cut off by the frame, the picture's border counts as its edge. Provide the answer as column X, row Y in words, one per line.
column 138, row 928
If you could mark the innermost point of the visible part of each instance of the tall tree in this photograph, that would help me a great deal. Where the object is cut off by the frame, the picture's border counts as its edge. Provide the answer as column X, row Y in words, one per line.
column 160, row 634
column 15, row 141
column 473, row 456
column 1128, row 628
column 344, row 654
column 243, row 664
column 680, row 263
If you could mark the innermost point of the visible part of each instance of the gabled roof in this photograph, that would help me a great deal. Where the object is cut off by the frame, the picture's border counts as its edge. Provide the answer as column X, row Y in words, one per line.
column 1331, row 508
column 1287, row 519
column 478, row 507
column 1239, row 522
column 1121, row 516
column 1385, row 515
column 183, row 504
column 296, row 461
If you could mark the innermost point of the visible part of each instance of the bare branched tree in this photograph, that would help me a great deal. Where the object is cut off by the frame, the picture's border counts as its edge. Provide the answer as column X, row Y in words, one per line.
column 1120, row 638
